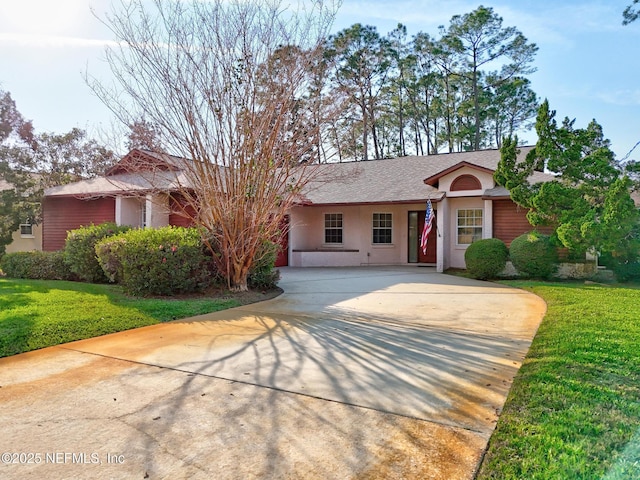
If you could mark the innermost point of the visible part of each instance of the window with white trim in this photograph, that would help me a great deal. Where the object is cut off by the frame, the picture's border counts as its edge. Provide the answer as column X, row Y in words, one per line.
column 382, row 228
column 26, row 230
column 333, row 228
column 469, row 226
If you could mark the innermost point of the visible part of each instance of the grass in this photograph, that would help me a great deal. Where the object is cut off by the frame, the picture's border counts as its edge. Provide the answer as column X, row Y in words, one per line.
column 574, row 409
column 38, row 313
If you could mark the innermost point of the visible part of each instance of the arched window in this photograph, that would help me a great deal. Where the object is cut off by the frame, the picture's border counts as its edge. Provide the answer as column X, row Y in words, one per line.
column 465, row 182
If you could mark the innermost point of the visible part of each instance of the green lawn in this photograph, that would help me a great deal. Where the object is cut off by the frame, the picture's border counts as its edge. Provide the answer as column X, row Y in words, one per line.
column 574, row 409
column 39, row 313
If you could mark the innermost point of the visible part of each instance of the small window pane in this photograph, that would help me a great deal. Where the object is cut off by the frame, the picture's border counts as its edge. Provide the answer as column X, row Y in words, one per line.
column 382, row 228
column 26, row 229
column 333, row 228
column 469, row 226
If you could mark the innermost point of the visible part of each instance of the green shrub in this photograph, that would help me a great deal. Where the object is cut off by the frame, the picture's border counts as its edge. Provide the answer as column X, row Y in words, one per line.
column 625, row 267
column 80, row 253
column 627, row 271
column 36, row 265
column 533, row 254
column 486, row 258
column 263, row 274
column 163, row 261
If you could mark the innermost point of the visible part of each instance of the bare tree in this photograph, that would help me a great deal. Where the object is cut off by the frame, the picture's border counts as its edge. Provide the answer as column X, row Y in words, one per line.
column 218, row 81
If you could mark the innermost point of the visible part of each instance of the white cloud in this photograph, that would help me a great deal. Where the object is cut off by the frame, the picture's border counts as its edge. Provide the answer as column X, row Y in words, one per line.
column 622, row 97
column 50, row 41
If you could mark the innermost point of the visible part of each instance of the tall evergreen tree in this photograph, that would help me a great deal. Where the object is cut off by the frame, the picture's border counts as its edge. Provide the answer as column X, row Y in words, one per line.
column 399, row 50
column 512, row 106
column 481, row 42
column 362, row 64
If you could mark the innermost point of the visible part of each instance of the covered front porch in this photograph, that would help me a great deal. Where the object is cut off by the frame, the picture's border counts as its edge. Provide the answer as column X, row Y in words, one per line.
column 359, row 235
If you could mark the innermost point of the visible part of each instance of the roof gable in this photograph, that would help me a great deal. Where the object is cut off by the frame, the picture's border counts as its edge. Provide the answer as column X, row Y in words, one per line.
column 138, row 160
column 433, row 180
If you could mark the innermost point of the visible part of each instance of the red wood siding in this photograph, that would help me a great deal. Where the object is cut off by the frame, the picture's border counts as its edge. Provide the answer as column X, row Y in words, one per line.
column 179, row 221
column 179, row 211
column 465, row 182
column 63, row 214
column 509, row 221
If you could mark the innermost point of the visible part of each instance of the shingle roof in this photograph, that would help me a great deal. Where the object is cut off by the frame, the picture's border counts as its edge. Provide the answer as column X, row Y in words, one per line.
column 118, row 184
column 502, row 192
column 399, row 180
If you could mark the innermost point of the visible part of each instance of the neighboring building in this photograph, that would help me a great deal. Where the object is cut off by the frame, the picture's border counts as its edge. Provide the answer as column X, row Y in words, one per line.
column 368, row 213
column 28, row 237
column 141, row 199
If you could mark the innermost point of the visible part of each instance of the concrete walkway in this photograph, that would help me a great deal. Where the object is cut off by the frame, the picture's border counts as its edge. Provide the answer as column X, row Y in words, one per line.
column 352, row 373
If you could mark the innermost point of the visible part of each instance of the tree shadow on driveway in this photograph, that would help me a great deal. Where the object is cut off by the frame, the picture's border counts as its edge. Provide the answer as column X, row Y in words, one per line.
column 274, row 392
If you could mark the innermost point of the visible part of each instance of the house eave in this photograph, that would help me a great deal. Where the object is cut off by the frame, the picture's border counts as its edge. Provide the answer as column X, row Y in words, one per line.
column 93, row 195
column 496, row 197
column 434, row 199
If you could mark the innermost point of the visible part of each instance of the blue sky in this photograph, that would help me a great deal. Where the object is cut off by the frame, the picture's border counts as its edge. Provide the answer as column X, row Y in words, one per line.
column 588, row 63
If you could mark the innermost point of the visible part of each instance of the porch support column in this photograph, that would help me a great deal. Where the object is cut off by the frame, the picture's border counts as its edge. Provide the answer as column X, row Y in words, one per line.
column 118, row 210
column 487, row 221
column 442, row 251
column 148, row 211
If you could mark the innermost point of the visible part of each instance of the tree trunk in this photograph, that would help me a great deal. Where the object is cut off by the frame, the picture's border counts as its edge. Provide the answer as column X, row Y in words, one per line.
column 240, row 285
column 239, row 276
column 476, row 108
column 365, row 128
column 403, row 151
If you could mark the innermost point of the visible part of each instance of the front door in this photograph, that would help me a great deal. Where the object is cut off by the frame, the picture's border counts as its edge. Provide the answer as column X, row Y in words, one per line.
column 416, row 224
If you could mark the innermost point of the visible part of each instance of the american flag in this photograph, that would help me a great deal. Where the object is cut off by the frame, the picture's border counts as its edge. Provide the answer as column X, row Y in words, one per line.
column 428, row 222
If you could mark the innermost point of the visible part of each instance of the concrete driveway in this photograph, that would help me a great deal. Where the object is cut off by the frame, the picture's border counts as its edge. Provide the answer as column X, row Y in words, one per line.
column 351, row 373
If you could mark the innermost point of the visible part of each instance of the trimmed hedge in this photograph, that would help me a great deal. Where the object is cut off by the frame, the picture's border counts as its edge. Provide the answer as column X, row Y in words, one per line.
column 486, row 258
column 80, row 253
column 534, row 255
column 163, row 261
column 36, row 265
